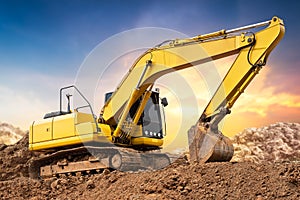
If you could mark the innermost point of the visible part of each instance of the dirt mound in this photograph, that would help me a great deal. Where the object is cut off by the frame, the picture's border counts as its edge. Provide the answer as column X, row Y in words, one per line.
column 14, row 159
column 277, row 142
column 10, row 134
column 181, row 180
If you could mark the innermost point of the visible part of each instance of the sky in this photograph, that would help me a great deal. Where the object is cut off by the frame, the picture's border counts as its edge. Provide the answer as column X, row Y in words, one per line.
column 43, row 44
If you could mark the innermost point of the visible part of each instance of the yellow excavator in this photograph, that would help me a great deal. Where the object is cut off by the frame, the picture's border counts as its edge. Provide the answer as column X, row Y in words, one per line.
column 129, row 132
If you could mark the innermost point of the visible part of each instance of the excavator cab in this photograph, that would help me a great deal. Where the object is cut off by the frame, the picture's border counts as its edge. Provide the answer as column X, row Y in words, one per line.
column 152, row 119
column 144, row 125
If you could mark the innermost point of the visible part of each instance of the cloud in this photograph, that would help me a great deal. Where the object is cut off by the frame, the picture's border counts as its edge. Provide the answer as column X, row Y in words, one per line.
column 28, row 96
column 189, row 18
column 285, row 78
column 262, row 95
column 20, row 108
column 262, row 104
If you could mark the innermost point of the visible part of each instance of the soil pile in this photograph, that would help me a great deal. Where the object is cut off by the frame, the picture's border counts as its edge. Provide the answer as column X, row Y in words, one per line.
column 10, row 134
column 181, row 180
column 14, row 159
column 277, row 142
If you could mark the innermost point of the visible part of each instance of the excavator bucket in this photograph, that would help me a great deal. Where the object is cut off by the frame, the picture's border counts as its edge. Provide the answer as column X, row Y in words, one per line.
column 206, row 145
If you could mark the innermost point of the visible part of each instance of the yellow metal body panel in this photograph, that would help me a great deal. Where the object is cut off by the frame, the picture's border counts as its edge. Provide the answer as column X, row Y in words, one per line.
column 63, row 126
column 85, row 128
column 63, row 142
column 41, row 130
column 62, row 131
column 84, row 124
column 147, row 141
column 105, row 130
column 83, row 117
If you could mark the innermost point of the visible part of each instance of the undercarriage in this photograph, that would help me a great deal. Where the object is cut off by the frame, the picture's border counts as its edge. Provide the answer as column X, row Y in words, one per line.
column 91, row 159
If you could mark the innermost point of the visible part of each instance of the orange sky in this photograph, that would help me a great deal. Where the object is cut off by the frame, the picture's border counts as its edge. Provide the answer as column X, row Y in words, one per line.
column 261, row 105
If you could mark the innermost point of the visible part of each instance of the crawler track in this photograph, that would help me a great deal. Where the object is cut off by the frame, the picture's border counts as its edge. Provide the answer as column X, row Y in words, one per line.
column 87, row 159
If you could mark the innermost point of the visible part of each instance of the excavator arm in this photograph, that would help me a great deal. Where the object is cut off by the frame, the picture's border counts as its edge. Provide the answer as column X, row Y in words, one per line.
column 248, row 63
column 252, row 49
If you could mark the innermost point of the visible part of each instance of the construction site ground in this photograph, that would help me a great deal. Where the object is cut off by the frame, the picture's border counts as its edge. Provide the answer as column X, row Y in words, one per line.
column 250, row 175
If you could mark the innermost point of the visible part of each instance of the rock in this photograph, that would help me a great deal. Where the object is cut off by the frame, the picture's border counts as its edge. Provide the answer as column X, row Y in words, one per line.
column 106, row 171
column 276, row 142
column 54, row 184
column 90, row 184
column 259, row 197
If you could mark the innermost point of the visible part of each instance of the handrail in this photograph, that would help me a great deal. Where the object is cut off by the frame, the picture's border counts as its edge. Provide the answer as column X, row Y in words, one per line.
column 89, row 105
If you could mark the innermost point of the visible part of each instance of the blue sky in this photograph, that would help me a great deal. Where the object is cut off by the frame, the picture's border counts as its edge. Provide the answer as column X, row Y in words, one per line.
column 43, row 42
column 55, row 36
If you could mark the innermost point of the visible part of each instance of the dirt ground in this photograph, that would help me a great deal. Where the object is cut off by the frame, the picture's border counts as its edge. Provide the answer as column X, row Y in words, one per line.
column 245, row 179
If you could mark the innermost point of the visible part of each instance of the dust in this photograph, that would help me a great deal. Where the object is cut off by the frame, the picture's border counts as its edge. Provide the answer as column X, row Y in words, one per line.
column 10, row 134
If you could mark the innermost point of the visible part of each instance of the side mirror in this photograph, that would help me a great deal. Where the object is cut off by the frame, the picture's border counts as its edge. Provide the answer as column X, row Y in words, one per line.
column 164, row 102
